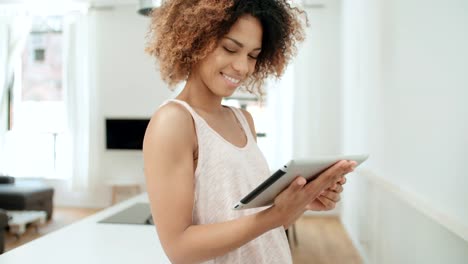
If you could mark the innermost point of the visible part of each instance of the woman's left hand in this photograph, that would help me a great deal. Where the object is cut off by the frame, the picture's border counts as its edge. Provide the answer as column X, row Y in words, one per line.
column 328, row 198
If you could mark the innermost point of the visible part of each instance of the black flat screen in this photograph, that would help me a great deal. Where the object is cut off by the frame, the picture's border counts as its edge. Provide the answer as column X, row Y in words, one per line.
column 125, row 133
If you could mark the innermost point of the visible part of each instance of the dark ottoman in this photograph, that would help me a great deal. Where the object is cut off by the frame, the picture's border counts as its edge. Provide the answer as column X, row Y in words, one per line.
column 27, row 195
column 3, row 226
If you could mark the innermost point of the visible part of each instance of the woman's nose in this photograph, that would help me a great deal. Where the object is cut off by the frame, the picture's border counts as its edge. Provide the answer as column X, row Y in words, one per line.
column 241, row 65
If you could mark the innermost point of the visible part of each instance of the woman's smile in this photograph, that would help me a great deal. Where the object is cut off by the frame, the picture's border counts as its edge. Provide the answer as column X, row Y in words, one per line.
column 231, row 81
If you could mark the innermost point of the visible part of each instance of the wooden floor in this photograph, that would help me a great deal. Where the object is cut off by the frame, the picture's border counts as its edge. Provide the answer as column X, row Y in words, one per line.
column 321, row 240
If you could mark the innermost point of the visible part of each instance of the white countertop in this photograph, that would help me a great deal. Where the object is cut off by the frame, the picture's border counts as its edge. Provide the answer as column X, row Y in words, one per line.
column 89, row 242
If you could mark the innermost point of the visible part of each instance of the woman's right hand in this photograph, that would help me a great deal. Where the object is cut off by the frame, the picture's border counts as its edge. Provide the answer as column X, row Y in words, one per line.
column 290, row 204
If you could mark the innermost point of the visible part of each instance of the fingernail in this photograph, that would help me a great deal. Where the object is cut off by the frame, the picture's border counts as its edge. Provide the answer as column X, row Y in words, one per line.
column 301, row 181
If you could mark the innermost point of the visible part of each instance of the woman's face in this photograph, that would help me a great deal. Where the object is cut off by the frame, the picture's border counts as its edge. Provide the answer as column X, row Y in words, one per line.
column 234, row 58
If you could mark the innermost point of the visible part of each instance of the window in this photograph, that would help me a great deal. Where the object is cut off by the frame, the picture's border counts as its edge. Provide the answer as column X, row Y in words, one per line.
column 37, row 111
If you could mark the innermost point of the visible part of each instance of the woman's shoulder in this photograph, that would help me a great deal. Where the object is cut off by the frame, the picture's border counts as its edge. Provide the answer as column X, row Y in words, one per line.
column 172, row 111
column 171, row 120
column 247, row 115
column 250, row 121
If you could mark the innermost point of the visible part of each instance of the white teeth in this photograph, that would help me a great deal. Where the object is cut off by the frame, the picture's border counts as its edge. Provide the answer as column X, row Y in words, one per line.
column 231, row 79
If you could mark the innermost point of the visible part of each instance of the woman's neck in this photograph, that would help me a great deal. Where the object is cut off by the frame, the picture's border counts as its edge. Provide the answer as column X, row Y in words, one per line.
column 198, row 95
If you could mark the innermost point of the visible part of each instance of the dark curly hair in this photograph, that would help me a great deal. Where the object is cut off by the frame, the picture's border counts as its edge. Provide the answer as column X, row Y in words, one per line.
column 183, row 32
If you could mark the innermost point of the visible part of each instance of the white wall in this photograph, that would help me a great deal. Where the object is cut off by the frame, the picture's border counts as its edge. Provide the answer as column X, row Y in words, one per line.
column 308, row 91
column 127, row 81
column 405, row 82
column 126, row 84
column 3, row 58
column 425, row 82
column 317, row 101
column 3, row 94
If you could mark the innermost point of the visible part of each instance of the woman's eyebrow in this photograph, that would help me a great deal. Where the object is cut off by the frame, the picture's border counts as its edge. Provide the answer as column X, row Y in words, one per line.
column 239, row 44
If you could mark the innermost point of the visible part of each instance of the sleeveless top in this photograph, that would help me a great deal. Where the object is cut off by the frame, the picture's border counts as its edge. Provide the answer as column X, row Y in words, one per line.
column 224, row 174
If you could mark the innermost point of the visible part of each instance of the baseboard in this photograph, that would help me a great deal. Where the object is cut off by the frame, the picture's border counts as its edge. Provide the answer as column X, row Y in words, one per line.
column 451, row 223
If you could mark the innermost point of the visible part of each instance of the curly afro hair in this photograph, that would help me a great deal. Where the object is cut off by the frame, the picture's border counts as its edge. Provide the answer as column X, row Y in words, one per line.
column 183, row 32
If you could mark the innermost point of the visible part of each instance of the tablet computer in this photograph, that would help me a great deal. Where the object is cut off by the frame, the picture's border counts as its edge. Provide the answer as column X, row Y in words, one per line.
column 265, row 193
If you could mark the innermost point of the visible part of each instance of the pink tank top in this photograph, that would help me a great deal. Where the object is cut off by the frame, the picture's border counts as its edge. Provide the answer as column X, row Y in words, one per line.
column 225, row 173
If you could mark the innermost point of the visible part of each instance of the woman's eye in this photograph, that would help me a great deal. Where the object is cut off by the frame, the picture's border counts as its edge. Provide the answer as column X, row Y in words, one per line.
column 228, row 50
column 253, row 57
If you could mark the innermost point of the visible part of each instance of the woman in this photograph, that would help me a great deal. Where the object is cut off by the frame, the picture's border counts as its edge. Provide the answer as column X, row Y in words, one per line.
column 200, row 156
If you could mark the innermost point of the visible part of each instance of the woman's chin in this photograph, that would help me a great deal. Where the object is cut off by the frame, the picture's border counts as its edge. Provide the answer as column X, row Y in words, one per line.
column 226, row 91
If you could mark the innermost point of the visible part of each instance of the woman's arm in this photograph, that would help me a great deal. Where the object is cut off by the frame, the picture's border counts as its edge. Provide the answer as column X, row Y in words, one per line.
column 168, row 149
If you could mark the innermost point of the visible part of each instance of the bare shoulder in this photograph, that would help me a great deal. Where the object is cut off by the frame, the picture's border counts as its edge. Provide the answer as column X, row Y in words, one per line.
column 170, row 123
column 250, row 120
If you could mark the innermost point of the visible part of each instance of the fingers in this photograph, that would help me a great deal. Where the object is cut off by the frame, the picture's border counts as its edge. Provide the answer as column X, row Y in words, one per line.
column 297, row 184
column 300, row 181
column 327, row 203
column 336, row 188
column 342, row 180
column 290, row 204
column 330, row 176
column 350, row 166
column 341, row 168
column 338, row 185
column 331, row 195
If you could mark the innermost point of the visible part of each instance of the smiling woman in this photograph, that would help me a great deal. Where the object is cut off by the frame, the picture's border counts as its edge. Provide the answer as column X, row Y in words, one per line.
column 203, row 23
column 201, row 156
